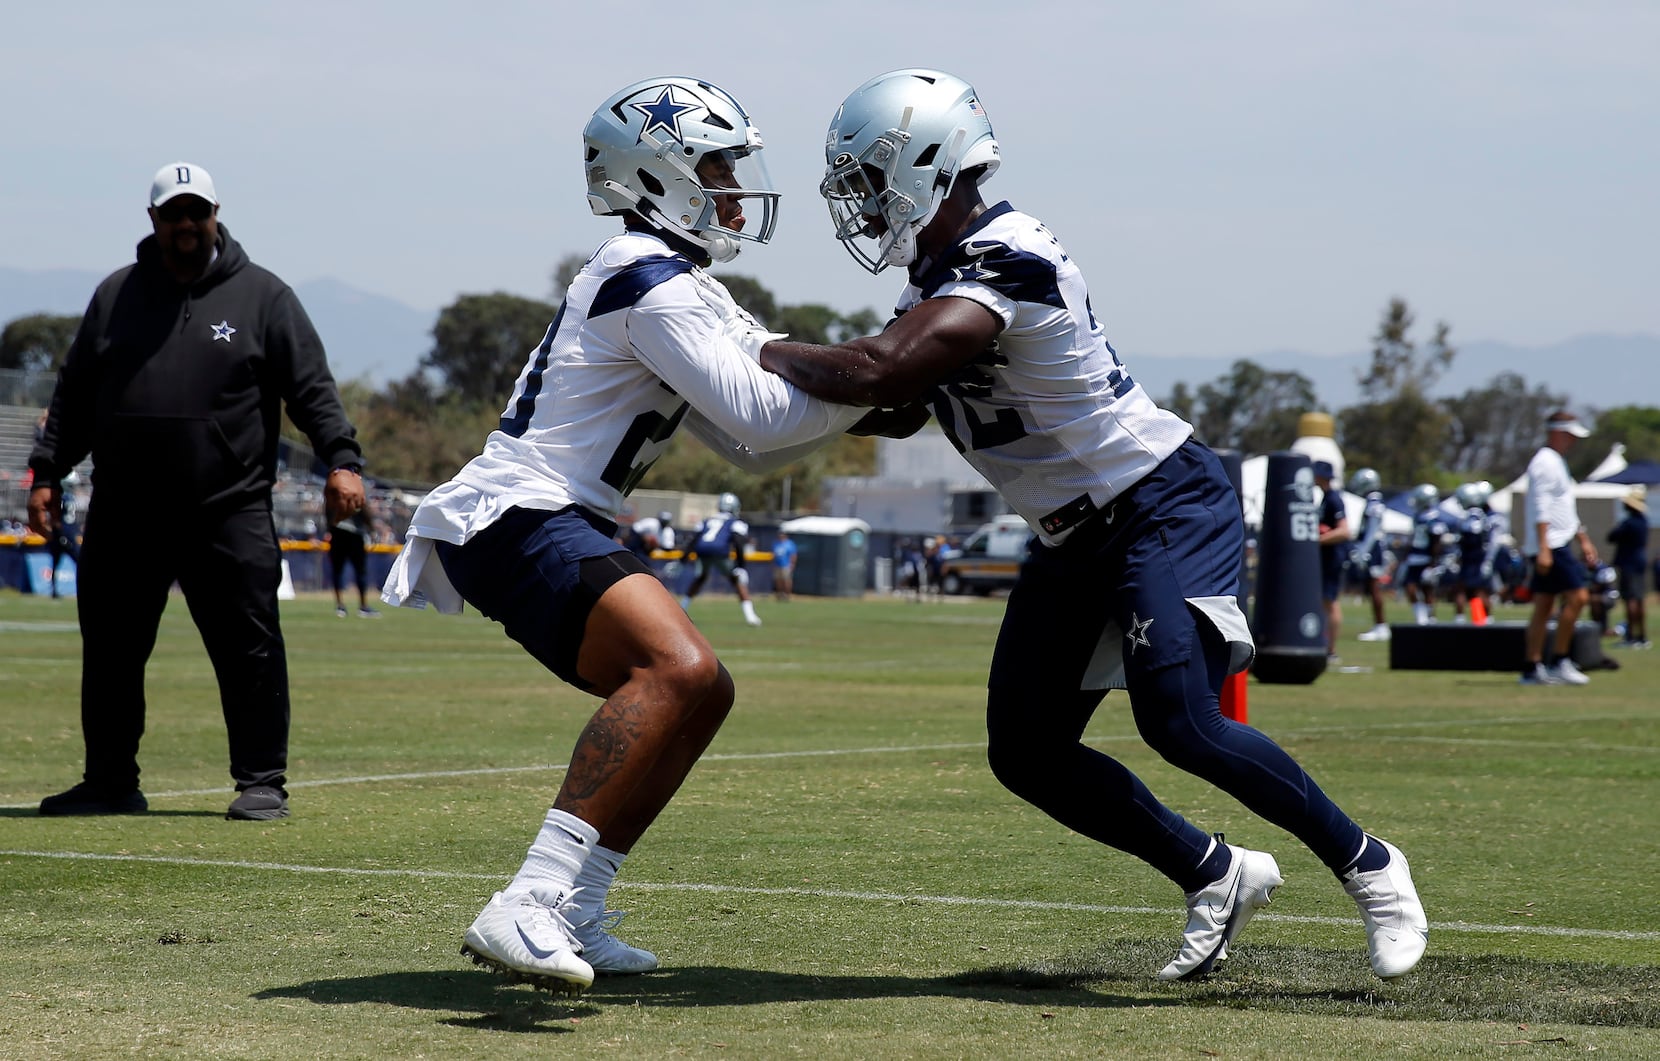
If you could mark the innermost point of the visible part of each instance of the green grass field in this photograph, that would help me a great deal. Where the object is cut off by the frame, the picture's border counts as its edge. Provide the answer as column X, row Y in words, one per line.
column 841, row 877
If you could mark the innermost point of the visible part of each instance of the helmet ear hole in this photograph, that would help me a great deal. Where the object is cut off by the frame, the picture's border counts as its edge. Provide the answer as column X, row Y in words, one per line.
column 927, row 156
column 649, row 182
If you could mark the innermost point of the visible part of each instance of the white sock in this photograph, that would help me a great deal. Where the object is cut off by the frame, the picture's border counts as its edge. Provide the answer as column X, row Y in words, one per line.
column 555, row 858
column 749, row 610
column 593, row 882
column 1421, row 613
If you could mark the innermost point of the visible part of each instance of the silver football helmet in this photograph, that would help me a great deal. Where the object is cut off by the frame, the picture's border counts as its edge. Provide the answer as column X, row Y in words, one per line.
column 1424, row 497
column 728, row 504
column 668, row 149
column 1474, row 495
column 894, row 151
column 1364, row 481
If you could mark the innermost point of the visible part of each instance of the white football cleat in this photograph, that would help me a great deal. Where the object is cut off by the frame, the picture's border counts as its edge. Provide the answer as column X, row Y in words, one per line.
column 1379, row 632
column 1567, row 673
column 1397, row 932
column 1217, row 913
column 529, row 942
column 609, row 955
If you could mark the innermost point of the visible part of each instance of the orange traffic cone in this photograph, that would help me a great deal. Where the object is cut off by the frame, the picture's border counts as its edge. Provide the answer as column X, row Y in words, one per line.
column 1478, row 611
column 1233, row 697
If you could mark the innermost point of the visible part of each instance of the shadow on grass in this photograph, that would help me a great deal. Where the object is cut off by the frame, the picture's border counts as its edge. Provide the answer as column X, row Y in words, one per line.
column 1454, row 987
column 514, row 1008
column 34, row 812
column 1298, row 980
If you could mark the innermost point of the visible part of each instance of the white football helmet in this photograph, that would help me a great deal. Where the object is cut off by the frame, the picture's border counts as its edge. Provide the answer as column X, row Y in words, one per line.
column 894, row 151
column 643, row 150
column 728, row 504
column 1424, row 497
column 1364, row 481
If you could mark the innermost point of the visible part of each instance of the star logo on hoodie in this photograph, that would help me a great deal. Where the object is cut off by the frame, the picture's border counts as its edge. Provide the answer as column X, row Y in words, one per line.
column 223, row 330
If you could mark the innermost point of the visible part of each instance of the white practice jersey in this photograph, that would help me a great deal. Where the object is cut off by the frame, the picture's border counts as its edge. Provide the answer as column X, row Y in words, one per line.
column 645, row 341
column 1048, row 414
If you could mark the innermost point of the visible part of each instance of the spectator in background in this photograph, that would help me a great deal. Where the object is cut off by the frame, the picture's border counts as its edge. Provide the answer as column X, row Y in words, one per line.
column 65, row 539
column 185, row 361
column 1551, row 525
column 783, row 566
column 1334, row 550
column 1629, row 537
column 348, row 544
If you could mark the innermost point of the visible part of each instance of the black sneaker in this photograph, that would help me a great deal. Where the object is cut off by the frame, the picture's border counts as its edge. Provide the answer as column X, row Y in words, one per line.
column 259, row 803
column 88, row 798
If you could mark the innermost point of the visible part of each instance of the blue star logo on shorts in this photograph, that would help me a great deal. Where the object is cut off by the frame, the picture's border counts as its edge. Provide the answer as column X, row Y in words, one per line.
column 664, row 113
column 223, row 330
column 1137, row 636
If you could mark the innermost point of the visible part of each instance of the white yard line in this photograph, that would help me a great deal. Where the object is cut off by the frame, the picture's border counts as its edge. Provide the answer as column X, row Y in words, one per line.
column 1286, row 735
column 822, row 893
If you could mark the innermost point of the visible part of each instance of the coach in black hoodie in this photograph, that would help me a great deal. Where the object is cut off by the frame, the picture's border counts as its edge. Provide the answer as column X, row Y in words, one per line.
column 175, row 385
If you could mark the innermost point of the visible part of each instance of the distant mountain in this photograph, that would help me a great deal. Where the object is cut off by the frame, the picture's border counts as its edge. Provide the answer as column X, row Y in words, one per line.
column 366, row 336
column 1597, row 371
column 381, row 338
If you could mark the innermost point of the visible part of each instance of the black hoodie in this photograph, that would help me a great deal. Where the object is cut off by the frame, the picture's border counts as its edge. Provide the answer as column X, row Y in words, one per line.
column 176, row 391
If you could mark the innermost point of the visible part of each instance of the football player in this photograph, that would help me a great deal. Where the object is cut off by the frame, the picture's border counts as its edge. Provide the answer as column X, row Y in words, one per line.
column 1420, row 568
column 1132, row 582
column 1369, row 554
column 1478, row 543
column 645, row 342
column 719, row 546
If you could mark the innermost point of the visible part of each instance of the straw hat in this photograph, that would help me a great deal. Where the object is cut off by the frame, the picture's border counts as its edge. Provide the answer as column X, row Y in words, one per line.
column 1636, row 500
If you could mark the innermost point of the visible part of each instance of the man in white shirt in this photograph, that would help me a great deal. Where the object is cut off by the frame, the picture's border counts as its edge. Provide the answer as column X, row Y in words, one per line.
column 1552, row 524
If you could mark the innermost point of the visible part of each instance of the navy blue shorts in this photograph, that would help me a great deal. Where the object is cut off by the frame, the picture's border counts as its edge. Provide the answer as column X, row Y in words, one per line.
column 1633, row 583
column 1175, row 534
column 1413, row 570
column 1331, row 581
column 1566, row 573
column 539, row 574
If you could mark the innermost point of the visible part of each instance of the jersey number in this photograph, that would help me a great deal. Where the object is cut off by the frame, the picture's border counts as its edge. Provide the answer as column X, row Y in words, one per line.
column 955, row 410
column 621, row 473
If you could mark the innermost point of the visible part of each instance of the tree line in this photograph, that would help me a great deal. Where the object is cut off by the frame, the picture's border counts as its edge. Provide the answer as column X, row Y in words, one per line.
column 421, row 428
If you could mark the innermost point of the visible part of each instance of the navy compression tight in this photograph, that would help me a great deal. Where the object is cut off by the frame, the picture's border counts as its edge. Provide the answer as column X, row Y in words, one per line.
column 1035, row 751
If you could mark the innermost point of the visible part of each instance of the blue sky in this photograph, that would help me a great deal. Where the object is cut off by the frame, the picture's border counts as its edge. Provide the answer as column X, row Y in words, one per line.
column 1233, row 177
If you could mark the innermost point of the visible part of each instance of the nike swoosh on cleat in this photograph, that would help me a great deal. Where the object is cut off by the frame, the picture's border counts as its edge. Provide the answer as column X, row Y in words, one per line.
column 535, row 951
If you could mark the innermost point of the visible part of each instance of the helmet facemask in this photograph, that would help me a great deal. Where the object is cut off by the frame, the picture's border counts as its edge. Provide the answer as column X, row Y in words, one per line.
column 673, row 151
column 866, row 201
column 894, row 152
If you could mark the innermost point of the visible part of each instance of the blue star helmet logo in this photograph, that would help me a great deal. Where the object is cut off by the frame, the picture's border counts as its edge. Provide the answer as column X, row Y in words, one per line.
column 664, row 113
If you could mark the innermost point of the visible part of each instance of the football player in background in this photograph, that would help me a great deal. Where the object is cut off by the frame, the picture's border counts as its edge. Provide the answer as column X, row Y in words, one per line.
column 1133, row 578
column 719, row 545
column 645, row 342
column 1369, row 553
column 1478, row 542
column 1420, row 568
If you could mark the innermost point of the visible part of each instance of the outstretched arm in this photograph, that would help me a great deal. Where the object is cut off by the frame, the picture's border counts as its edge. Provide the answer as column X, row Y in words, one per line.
column 898, row 366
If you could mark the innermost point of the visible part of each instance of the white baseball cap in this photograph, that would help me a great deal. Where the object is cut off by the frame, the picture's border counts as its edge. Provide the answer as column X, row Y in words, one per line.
column 181, row 178
column 1570, row 425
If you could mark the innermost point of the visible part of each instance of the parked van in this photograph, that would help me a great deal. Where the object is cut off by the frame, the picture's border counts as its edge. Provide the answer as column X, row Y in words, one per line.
column 990, row 558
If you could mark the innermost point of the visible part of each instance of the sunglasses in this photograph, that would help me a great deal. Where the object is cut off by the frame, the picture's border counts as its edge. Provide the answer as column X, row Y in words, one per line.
column 174, row 210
